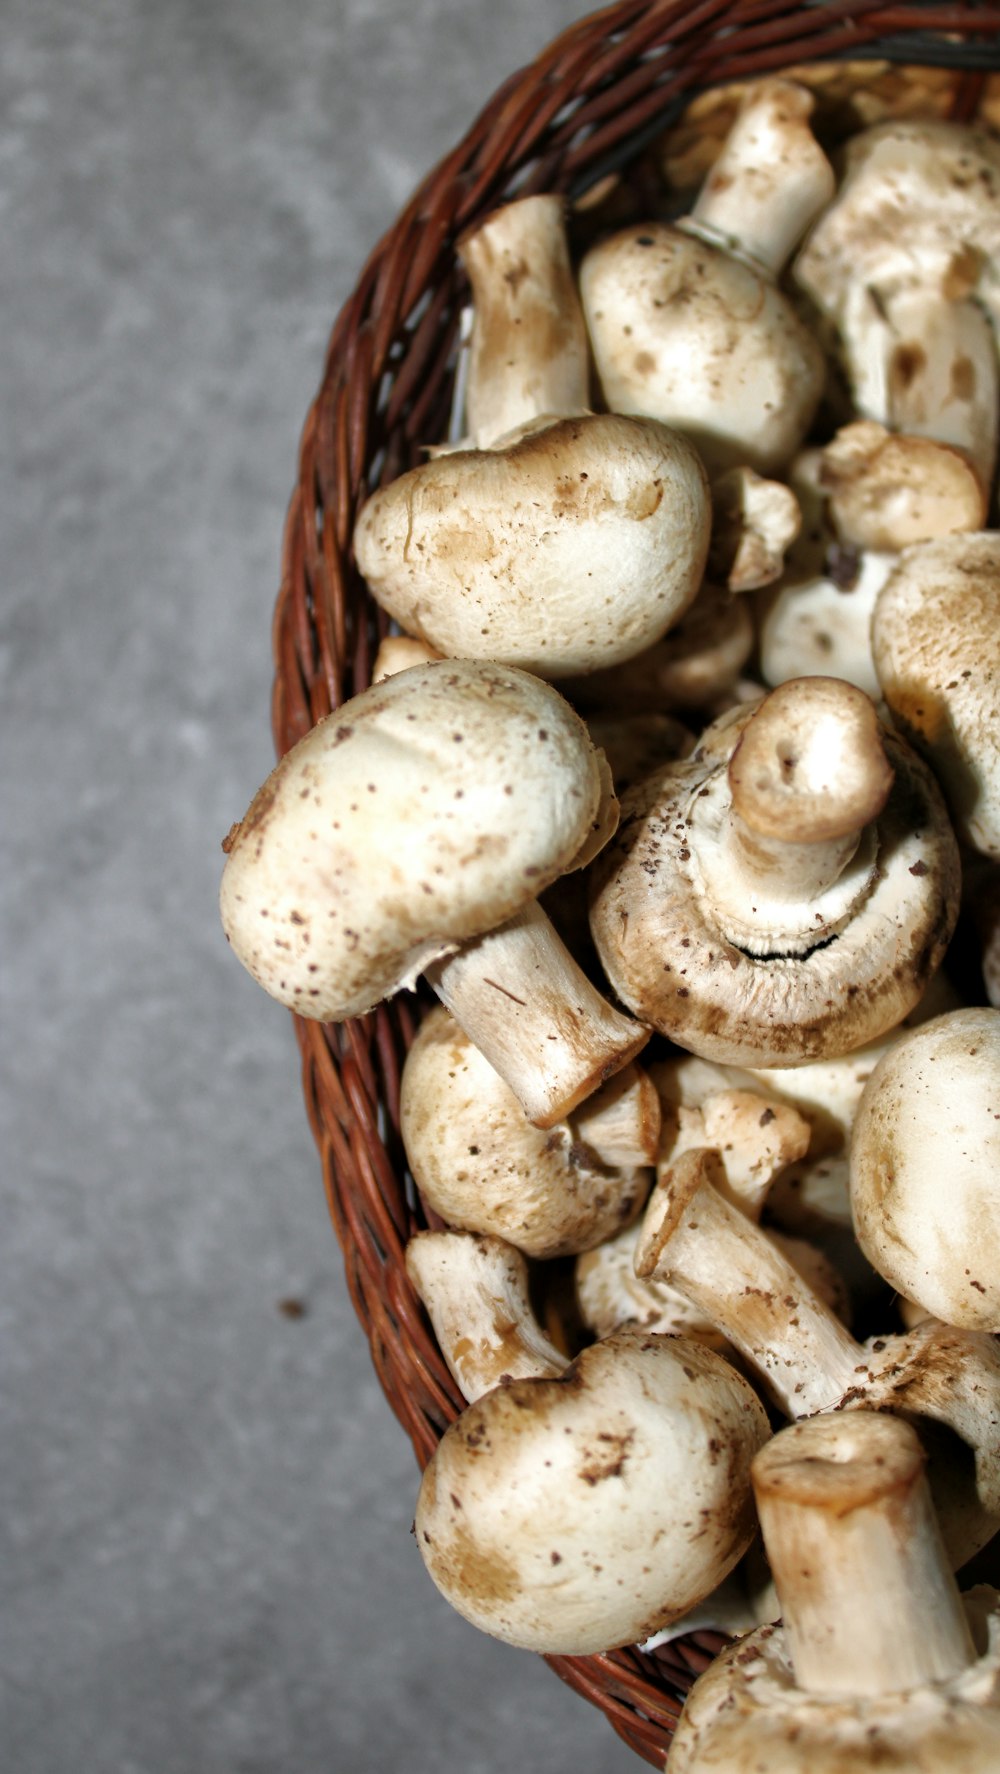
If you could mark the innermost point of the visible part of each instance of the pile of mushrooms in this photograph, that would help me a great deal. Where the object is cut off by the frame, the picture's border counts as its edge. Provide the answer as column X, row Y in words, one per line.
column 685, row 744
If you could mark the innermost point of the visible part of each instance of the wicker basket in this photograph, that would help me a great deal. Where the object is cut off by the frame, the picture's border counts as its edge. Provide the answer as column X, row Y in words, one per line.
column 589, row 107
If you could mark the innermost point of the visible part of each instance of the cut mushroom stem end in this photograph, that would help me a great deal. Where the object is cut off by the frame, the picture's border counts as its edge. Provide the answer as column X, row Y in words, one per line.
column 811, row 762
column 869, row 1602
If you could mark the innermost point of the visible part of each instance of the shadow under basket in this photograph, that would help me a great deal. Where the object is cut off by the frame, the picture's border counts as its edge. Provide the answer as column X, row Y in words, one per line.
column 625, row 90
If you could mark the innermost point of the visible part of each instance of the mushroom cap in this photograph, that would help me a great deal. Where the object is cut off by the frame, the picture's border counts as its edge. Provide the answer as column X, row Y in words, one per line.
column 936, row 646
column 669, row 958
column 571, row 1515
column 746, row 1714
column 483, row 1166
column 427, row 810
column 686, row 333
column 889, row 490
column 571, row 549
column 925, row 1167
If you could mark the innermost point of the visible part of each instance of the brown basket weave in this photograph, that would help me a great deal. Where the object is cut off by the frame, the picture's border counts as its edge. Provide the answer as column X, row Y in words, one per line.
column 589, row 106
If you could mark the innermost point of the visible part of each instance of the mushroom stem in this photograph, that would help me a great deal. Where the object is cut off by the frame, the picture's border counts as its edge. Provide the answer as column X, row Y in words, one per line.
column 528, row 354
column 533, row 1013
column 810, row 762
column 475, row 1291
column 698, row 1242
column 621, row 1121
column 868, row 1600
column 769, row 181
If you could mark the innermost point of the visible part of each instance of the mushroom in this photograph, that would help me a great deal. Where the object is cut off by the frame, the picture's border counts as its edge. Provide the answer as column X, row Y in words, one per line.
column 888, row 490
column 529, row 356
column 879, row 1662
column 925, row 1167
column 786, row 893
column 686, row 320
column 697, row 1242
column 902, row 264
column 754, row 522
column 476, row 1294
column 565, row 544
column 483, row 1166
column 584, row 1512
column 409, row 832
column 757, row 1135
column 936, row 646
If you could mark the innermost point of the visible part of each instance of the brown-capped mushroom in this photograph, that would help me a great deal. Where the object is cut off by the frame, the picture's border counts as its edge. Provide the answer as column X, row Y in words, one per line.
column 925, row 1167
column 576, row 1514
column 879, row 1663
column 409, row 832
column 686, row 320
column 787, row 892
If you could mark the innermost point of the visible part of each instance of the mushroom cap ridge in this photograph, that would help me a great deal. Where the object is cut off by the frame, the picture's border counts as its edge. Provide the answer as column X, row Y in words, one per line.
column 425, row 811
column 668, row 960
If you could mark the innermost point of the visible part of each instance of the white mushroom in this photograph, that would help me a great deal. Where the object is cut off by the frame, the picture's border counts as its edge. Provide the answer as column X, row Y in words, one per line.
column 612, row 1297
column 476, row 1294
column 925, row 1167
column 888, row 490
column 765, row 903
column 686, row 320
column 483, row 1166
column 754, row 522
column 879, row 1663
column 397, row 653
column 572, row 1515
column 529, row 355
column 409, row 832
column 936, row 645
column 900, row 264
column 565, row 543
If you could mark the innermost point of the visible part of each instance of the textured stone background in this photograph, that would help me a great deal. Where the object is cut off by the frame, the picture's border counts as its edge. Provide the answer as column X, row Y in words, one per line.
column 206, row 1559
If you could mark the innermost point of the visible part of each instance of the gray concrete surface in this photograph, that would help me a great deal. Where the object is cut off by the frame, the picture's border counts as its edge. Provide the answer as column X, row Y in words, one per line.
column 206, row 1562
